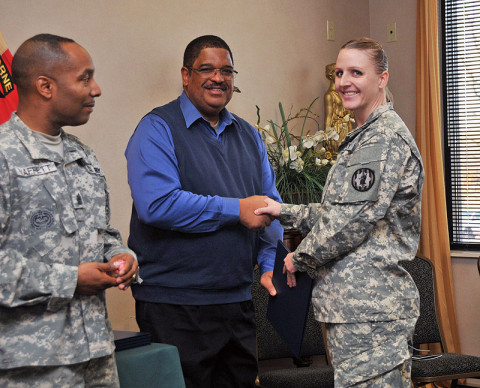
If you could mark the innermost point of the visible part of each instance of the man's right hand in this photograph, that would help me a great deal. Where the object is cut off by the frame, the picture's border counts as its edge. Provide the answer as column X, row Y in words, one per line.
column 247, row 216
column 94, row 278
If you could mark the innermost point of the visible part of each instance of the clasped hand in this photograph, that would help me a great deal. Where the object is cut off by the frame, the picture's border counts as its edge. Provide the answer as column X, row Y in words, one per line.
column 94, row 278
column 248, row 218
column 255, row 215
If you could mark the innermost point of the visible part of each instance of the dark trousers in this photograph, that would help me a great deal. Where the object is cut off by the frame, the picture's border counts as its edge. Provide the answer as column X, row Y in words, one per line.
column 217, row 343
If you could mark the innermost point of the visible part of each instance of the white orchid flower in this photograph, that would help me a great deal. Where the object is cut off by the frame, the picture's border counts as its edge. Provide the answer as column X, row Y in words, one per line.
column 297, row 165
column 294, row 154
column 333, row 135
column 321, row 162
column 284, row 158
column 310, row 142
column 319, row 136
column 269, row 139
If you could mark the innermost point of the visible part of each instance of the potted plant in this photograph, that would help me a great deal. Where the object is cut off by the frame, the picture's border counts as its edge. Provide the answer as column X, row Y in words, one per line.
column 300, row 152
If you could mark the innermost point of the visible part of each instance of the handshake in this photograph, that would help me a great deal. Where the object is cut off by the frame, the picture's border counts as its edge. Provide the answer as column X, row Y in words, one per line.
column 258, row 211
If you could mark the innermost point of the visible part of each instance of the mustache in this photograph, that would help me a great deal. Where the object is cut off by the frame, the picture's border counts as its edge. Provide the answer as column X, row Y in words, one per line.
column 216, row 85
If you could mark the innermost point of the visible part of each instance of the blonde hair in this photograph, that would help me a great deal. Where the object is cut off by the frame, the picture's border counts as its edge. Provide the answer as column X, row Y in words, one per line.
column 377, row 54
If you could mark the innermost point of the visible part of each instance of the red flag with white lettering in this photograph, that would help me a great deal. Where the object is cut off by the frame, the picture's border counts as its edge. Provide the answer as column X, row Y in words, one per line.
column 8, row 91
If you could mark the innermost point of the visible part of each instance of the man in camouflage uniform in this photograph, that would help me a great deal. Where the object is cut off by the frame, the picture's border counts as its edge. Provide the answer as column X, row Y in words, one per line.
column 57, row 251
column 368, row 220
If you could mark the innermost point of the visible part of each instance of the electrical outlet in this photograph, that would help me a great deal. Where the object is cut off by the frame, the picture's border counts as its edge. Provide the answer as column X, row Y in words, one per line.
column 330, row 30
column 391, row 32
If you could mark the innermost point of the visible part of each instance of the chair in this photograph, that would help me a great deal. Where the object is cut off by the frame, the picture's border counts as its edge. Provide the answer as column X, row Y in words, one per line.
column 448, row 366
column 303, row 372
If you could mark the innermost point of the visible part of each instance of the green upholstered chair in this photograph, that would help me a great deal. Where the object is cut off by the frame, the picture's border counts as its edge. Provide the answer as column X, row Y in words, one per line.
column 153, row 366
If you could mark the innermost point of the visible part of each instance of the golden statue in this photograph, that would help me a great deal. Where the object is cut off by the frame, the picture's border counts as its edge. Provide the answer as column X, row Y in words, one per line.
column 336, row 115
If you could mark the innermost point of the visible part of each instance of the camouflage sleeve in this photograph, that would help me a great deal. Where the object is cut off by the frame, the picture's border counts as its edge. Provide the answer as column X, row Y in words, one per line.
column 112, row 239
column 300, row 217
column 359, row 196
column 25, row 282
column 113, row 244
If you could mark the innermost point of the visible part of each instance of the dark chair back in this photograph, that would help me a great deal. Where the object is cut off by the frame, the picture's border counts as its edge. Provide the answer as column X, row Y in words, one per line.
column 443, row 366
column 427, row 329
column 269, row 343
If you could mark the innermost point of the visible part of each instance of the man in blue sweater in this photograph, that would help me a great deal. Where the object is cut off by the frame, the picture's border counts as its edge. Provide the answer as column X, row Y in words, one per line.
column 197, row 172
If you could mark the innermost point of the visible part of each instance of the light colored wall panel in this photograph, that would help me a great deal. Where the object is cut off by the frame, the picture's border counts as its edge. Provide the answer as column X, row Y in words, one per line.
column 401, row 54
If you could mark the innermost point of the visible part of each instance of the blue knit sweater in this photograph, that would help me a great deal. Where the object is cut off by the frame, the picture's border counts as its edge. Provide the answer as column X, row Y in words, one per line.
column 202, row 268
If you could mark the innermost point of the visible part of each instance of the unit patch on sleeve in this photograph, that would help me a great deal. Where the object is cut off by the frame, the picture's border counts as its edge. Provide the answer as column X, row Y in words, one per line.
column 363, row 179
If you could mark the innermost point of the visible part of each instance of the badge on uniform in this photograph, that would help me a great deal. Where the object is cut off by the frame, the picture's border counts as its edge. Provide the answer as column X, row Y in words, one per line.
column 363, row 179
column 41, row 219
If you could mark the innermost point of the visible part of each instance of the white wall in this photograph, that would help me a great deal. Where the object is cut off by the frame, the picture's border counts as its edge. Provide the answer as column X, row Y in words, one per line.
column 401, row 54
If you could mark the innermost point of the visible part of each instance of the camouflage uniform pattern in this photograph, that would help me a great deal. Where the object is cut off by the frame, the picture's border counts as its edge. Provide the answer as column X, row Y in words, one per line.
column 99, row 372
column 368, row 220
column 54, row 215
column 371, row 354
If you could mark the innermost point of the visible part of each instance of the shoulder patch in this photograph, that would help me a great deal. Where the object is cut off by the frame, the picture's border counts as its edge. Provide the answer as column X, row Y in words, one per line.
column 363, row 179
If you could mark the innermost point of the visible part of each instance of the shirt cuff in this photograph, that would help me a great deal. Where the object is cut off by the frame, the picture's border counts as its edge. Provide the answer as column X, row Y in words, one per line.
column 230, row 211
column 63, row 281
column 286, row 216
column 117, row 250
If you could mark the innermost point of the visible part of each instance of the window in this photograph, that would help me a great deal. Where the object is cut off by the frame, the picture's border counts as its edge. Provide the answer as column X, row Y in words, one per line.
column 461, row 83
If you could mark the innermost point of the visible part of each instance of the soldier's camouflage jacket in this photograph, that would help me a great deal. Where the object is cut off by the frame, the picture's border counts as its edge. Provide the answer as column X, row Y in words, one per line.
column 54, row 215
column 368, row 220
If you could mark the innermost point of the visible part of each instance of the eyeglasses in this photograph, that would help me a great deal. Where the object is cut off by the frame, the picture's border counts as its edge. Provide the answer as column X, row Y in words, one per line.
column 208, row 72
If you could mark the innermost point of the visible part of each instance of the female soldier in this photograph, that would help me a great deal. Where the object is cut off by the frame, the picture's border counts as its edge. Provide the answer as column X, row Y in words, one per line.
column 368, row 220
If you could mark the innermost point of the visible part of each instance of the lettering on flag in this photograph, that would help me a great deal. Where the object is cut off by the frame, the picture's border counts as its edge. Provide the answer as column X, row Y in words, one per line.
column 6, row 82
column 8, row 90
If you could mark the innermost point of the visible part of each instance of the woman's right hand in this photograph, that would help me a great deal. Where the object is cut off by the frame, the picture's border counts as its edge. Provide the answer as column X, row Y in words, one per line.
column 273, row 208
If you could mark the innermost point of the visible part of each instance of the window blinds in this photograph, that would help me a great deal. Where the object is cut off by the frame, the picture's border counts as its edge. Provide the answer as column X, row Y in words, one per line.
column 461, row 80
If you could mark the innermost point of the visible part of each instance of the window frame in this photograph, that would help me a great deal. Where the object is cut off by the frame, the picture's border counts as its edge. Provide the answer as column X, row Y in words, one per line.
column 456, row 209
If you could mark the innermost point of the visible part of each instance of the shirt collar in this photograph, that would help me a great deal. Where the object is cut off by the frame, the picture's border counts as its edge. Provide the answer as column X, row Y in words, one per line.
column 31, row 142
column 373, row 116
column 191, row 113
column 37, row 149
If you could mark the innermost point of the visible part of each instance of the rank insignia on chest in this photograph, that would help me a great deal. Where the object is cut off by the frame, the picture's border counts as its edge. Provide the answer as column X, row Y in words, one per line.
column 363, row 179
